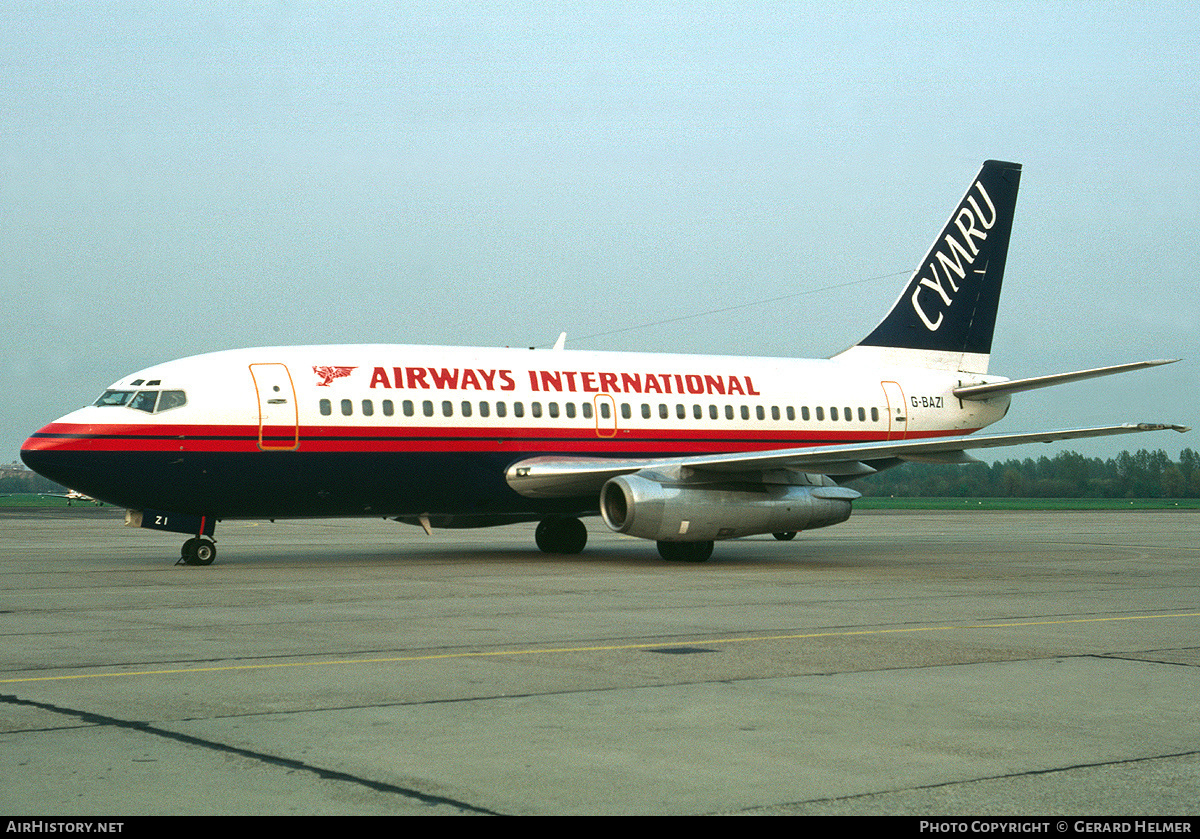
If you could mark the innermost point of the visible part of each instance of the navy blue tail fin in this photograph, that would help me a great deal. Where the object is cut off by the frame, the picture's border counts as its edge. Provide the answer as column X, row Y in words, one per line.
column 946, row 314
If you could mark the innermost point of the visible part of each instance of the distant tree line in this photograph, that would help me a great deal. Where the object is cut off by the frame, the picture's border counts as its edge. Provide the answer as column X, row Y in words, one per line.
column 24, row 480
column 1141, row 474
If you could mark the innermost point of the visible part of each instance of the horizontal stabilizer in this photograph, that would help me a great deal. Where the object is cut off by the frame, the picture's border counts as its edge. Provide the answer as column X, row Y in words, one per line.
column 987, row 391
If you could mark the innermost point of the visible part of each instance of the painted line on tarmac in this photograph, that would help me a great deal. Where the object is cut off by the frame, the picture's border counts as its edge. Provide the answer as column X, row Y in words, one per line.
column 589, row 649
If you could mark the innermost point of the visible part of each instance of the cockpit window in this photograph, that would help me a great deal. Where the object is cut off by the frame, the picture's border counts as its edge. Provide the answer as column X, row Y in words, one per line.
column 171, row 399
column 150, row 401
column 144, row 401
column 113, row 397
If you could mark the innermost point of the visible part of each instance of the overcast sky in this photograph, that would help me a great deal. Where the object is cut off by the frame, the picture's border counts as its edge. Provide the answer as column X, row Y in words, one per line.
column 178, row 179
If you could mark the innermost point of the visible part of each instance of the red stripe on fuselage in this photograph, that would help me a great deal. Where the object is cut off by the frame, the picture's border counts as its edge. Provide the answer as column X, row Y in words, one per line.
column 328, row 438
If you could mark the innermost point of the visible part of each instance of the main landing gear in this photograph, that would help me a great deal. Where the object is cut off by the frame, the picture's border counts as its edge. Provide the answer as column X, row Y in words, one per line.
column 199, row 550
column 565, row 535
column 685, row 551
column 560, row 535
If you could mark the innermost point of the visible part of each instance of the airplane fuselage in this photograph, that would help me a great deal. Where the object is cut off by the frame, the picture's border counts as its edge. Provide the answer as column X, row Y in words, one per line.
column 394, row 430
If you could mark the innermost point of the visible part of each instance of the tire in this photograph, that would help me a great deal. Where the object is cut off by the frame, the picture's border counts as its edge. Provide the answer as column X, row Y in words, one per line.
column 561, row 535
column 685, row 551
column 198, row 551
column 786, row 536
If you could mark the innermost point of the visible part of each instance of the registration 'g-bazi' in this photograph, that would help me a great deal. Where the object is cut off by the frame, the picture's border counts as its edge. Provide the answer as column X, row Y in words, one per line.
column 681, row 449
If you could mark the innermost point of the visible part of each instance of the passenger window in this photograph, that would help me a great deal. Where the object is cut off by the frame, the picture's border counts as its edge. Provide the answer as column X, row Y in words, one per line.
column 571, row 410
column 427, row 407
column 447, row 408
column 466, row 408
column 745, row 412
column 626, row 410
column 833, row 414
column 713, row 412
column 774, row 412
column 849, row 415
column 518, row 409
column 484, row 409
column 820, row 413
column 605, row 410
column 645, row 410
column 347, row 407
column 759, row 412
column 587, row 410
column 862, row 415
column 804, row 412
column 368, row 408
column 663, row 412
column 698, row 412
column 409, row 408
column 680, row 411
column 874, row 415
column 326, row 407
column 552, row 407
column 535, row 408
column 388, row 408
column 501, row 409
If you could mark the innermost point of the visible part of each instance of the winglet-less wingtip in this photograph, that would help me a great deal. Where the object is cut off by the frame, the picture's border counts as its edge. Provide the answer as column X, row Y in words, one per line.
column 1156, row 426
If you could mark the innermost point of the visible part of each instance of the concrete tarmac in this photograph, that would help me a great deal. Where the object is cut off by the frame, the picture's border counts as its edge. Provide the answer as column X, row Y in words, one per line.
column 963, row 663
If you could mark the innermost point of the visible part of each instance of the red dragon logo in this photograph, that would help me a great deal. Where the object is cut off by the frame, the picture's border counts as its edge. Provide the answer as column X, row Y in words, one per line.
column 327, row 374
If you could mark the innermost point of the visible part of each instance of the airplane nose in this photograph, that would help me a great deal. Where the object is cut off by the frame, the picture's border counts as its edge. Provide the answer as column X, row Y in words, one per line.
column 50, row 453
column 37, row 451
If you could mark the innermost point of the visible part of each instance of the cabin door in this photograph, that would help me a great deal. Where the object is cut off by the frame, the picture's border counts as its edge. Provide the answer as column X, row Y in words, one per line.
column 278, row 414
column 897, row 410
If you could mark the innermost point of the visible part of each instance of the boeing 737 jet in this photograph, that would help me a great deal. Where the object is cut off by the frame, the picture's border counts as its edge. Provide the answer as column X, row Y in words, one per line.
column 683, row 450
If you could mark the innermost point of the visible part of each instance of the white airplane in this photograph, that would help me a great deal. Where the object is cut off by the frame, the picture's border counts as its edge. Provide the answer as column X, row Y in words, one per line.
column 684, row 450
column 71, row 495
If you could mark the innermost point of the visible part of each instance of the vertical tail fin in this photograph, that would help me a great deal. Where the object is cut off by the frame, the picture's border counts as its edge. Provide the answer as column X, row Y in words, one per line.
column 946, row 314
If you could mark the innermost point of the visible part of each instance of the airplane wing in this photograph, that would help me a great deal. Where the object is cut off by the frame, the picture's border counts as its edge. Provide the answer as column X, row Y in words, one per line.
column 561, row 477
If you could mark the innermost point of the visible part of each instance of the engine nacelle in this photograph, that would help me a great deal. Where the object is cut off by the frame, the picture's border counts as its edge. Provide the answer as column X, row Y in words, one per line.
column 643, row 507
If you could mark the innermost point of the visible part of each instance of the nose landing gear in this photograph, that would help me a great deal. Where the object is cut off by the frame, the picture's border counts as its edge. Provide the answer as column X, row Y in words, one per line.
column 198, row 551
column 201, row 549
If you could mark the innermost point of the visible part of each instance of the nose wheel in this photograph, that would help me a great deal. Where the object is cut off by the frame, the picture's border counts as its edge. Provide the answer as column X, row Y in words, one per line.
column 198, row 551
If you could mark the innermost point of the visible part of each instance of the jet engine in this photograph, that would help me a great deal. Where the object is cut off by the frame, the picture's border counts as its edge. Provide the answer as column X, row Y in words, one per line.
column 665, row 511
